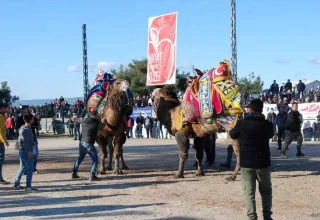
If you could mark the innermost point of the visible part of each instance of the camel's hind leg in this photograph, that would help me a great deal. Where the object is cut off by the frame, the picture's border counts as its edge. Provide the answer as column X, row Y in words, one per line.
column 102, row 142
column 184, row 144
column 199, row 145
column 117, row 151
column 110, row 146
column 236, row 148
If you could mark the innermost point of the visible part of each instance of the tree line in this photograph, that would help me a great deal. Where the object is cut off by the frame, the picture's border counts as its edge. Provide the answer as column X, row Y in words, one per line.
column 136, row 74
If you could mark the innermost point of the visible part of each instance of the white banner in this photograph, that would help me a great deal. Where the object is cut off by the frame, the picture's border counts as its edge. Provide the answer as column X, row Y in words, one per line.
column 309, row 112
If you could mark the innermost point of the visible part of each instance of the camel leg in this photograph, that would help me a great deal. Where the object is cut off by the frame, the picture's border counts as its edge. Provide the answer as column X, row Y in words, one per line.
column 117, row 151
column 124, row 166
column 236, row 149
column 184, row 144
column 199, row 145
column 110, row 146
column 102, row 142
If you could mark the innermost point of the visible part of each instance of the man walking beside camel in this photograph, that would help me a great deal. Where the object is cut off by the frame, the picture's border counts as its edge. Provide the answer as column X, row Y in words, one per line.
column 254, row 133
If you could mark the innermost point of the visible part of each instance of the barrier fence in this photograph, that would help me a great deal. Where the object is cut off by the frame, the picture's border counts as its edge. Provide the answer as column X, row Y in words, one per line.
column 309, row 112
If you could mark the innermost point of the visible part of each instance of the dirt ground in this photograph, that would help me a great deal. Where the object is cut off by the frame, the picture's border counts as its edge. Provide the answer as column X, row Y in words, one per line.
column 148, row 191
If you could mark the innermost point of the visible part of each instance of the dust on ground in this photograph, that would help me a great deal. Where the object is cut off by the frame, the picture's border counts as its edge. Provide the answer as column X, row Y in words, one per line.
column 148, row 191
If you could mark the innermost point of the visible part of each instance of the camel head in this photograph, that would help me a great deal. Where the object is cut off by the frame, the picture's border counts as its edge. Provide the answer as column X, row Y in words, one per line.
column 120, row 85
column 167, row 93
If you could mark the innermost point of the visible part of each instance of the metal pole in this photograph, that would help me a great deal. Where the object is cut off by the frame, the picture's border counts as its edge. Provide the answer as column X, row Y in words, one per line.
column 85, row 64
column 233, row 41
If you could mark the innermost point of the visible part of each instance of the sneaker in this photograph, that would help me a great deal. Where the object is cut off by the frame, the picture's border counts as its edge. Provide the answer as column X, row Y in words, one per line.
column 75, row 176
column 18, row 187
column 300, row 154
column 36, row 171
column 3, row 182
column 283, row 155
column 31, row 190
column 225, row 165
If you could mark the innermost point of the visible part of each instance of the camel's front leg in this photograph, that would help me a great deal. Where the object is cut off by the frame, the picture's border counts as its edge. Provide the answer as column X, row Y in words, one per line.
column 184, row 144
column 110, row 146
column 199, row 146
column 118, row 143
column 236, row 149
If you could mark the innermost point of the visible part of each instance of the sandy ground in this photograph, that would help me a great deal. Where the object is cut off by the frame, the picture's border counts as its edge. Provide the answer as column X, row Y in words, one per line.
column 148, row 191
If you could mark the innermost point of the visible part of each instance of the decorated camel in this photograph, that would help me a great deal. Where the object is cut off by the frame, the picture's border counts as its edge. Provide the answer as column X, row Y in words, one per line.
column 112, row 99
column 210, row 104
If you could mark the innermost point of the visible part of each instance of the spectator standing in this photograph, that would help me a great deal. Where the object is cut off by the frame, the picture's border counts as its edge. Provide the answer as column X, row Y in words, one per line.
column 280, row 122
column 9, row 127
column 3, row 141
column 130, row 124
column 274, row 88
column 272, row 118
column 77, row 124
column 293, row 131
column 159, row 132
column 301, row 88
column 254, row 133
column 288, row 85
column 139, row 122
column 148, row 124
column 70, row 126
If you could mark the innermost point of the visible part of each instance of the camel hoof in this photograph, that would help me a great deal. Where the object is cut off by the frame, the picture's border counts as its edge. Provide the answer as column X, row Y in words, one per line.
column 109, row 168
column 102, row 172
column 231, row 178
column 178, row 176
column 200, row 173
column 125, row 167
column 117, row 172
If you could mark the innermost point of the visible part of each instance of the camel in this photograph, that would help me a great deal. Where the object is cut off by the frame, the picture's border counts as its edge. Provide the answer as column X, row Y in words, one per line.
column 168, row 110
column 114, row 126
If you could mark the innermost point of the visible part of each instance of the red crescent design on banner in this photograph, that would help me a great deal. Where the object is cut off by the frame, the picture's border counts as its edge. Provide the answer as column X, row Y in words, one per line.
column 162, row 38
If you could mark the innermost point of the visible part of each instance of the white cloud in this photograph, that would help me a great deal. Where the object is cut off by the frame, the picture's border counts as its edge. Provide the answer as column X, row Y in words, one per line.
column 315, row 61
column 104, row 65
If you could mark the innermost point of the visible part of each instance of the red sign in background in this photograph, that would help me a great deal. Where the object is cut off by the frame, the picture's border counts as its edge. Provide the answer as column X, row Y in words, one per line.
column 162, row 38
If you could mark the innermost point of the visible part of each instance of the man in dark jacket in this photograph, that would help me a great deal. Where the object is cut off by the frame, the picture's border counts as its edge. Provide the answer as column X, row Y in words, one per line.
column 293, row 131
column 288, row 86
column 301, row 87
column 272, row 118
column 274, row 88
column 86, row 145
column 254, row 133
column 140, row 123
column 280, row 122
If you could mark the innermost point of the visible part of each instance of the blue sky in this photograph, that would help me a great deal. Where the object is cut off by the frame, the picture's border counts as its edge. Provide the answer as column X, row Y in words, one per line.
column 41, row 42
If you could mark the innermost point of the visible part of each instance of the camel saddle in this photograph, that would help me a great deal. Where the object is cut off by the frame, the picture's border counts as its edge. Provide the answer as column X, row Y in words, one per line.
column 200, row 101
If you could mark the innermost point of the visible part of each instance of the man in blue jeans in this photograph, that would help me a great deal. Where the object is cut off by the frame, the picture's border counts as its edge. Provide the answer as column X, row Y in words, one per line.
column 86, row 145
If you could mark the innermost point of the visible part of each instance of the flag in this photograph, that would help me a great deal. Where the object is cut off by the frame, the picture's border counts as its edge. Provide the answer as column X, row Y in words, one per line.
column 162, row 41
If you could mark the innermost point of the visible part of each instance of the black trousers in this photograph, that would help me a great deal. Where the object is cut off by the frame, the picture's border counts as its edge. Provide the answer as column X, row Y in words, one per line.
column 281, row 133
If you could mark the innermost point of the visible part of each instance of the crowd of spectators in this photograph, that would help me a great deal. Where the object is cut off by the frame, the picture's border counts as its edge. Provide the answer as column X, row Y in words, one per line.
column 58, row 108
column 287, row 94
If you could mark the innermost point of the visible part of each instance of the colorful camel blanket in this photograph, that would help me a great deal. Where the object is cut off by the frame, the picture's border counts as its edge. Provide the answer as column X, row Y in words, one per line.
column 230, row 96
column 97, row 98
